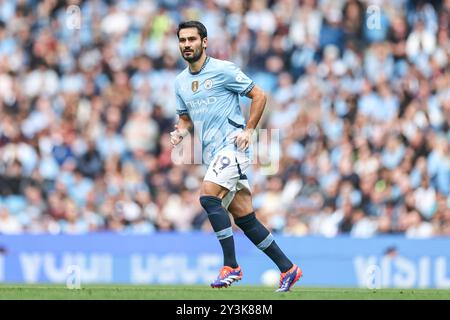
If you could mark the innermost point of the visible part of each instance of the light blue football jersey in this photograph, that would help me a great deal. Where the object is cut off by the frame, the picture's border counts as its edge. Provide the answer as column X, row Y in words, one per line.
column 211, row 99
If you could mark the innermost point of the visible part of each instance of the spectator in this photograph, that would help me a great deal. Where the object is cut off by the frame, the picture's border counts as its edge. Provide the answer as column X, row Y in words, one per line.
column 8, row 223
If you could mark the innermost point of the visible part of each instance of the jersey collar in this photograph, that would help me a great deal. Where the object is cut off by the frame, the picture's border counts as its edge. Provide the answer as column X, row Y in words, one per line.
column 203, row 67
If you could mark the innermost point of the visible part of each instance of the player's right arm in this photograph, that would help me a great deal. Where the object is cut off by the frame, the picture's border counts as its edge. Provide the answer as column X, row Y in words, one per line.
column 182, row 129
column 184, row 125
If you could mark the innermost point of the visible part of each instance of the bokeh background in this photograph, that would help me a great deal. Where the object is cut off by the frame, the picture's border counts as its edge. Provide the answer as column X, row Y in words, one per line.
column 360, row 91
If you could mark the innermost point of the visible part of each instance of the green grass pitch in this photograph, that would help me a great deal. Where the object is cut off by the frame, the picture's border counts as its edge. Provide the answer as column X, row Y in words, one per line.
column 181, row 292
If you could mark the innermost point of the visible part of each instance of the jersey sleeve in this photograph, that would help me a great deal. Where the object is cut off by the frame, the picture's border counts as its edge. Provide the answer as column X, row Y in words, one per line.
column 181, row 106
column 236, row 80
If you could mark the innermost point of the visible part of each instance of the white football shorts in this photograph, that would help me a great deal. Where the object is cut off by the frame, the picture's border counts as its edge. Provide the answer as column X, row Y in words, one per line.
column 228, row 169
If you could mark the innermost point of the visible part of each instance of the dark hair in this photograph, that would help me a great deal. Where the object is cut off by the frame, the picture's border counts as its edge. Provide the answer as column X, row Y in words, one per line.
column 193, row 24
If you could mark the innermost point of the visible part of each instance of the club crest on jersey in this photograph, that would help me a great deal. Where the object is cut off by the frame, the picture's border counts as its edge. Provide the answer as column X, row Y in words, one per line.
column 194, row 86
column 208, row 84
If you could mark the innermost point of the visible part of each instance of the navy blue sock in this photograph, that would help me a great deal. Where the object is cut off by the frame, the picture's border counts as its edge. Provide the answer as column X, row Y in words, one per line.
column 221, row 223
column 263, row 239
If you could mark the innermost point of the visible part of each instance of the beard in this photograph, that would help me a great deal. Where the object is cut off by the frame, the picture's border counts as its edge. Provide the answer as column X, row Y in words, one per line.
column 196, row 54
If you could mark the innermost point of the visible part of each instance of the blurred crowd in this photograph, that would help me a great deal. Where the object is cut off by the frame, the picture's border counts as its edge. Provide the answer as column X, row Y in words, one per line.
column 358, row 89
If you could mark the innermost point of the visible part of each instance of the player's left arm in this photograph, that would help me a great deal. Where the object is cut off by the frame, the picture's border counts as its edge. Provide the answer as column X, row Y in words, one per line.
column 256, row 110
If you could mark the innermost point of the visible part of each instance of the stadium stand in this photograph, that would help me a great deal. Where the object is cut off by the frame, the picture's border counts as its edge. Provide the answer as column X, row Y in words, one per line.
column 359, row 90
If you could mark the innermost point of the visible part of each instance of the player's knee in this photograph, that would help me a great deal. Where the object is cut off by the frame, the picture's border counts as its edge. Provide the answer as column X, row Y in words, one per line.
column 210, row 203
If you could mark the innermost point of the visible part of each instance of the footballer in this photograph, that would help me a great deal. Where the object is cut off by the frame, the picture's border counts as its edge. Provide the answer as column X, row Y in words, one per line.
column 207, row 94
